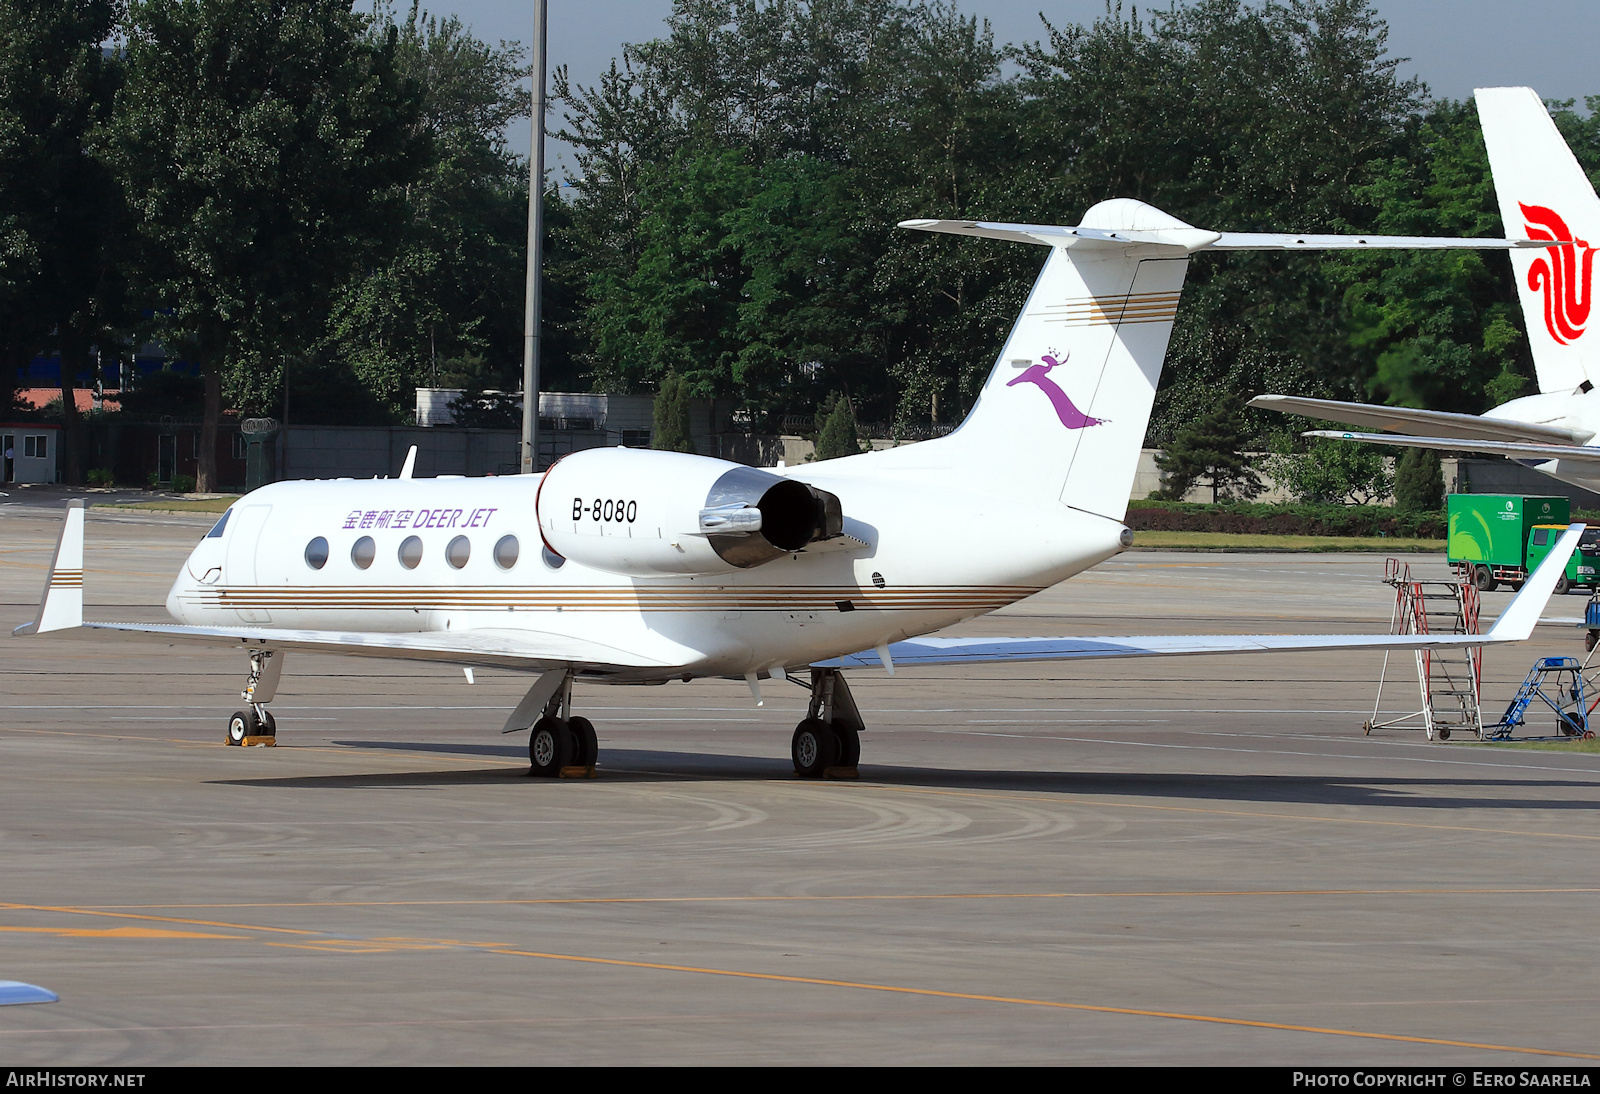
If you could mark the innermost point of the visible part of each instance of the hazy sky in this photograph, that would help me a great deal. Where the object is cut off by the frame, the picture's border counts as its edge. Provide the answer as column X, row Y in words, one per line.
column 1549, row 45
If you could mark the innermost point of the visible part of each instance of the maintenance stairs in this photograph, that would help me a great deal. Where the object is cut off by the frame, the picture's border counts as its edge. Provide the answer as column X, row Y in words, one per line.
column 1560, row 684
column 1450, row 680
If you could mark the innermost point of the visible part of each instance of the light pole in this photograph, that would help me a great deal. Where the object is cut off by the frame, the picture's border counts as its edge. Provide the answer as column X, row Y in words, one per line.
column 530, row 325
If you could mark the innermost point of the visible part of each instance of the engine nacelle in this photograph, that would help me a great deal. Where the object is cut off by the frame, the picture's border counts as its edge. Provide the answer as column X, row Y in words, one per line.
column 634, row 511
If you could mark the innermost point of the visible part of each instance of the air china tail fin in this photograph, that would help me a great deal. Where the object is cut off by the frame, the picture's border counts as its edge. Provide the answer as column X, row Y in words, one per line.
column 1063, row 414
column 1545, row 195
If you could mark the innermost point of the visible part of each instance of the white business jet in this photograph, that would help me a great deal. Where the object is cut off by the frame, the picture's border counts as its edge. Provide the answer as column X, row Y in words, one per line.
column 1545, row 196
column 637, row 567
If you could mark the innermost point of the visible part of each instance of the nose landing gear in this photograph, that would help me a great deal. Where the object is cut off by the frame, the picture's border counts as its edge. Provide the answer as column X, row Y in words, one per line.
column 254, row 725
column 827, row 745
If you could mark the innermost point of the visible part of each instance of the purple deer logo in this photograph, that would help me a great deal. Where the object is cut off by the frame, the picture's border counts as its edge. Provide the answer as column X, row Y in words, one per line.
column 1039, row 375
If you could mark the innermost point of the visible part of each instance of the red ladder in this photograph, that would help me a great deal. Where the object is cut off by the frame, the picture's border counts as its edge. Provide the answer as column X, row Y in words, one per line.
column 1450, row 680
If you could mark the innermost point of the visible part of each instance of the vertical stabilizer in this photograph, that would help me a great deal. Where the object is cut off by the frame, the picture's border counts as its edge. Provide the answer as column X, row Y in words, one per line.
column 61, row 606
column 1063, row 414
column 1544, row 194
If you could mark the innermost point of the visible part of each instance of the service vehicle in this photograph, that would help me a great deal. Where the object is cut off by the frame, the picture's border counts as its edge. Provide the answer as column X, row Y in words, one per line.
column 1498, row 538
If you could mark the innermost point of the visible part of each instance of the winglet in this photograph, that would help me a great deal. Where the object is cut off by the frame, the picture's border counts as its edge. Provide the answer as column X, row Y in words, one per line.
column 61, row 606
column 410, row 464
column 1517, row 621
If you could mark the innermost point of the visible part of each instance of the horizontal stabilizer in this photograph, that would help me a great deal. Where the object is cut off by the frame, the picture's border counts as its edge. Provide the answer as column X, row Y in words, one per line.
column 1435, row 423
column 1515, row 624
column 1575, row 453
column 516, row 649
column 1123, row 223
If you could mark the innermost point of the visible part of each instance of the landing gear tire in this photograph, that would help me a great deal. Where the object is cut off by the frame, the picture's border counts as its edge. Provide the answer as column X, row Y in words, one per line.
column 586, row 746
column 240, row 726
column 550, row 747
column 1483, row 579
column 814, row 748
column 849, row 746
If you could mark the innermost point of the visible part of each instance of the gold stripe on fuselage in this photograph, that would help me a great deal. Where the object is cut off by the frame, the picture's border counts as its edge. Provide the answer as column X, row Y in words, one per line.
column 604, row 600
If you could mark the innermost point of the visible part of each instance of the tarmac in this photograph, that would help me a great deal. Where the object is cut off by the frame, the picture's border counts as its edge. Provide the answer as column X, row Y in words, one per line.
column 1164, row 861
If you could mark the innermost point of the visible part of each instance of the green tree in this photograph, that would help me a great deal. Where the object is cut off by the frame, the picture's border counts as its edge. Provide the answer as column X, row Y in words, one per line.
column 740, row 179
column 453, row 285
column 481, row 405
column 1334, row 471
column 62, row 229
column 836, row 429
column 1441, row 330
column 1210, row 449
column 671, row 425
column 1419, row 482
column 262, row 143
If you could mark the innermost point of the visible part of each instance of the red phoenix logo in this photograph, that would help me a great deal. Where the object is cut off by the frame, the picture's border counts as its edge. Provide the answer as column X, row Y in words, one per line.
column 1556, row 274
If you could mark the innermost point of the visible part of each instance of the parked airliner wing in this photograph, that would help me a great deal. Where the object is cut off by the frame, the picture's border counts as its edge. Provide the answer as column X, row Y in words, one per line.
column 1514, row 625
column 518, row 649
column 1436, row 423
column 1575, row 453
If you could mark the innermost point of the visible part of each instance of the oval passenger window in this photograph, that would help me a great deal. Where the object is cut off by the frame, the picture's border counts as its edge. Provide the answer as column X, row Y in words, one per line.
column 505, row 552
column 458, row 552
column 363, row 552
column 411, row 552
column 317, row 553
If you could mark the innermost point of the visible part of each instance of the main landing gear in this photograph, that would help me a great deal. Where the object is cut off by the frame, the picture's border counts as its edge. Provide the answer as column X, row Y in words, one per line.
column 559, row 745
column 828, row 743
column 254, row 725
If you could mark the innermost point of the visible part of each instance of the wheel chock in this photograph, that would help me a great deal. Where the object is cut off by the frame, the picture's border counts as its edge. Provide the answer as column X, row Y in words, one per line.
column 577, row 771
column 841, row 772
column 262, row 741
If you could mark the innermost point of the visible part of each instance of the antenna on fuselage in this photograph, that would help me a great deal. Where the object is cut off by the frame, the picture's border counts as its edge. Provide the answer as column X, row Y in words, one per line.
column 410, row 464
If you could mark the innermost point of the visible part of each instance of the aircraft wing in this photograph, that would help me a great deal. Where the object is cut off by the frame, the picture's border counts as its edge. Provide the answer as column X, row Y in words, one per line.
column 1514, row 625
column 1576, row 453
column 1436, row 423
column 516, row 649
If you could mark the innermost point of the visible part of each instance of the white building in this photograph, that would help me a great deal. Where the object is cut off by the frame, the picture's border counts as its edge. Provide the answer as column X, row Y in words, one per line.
column 30, row 451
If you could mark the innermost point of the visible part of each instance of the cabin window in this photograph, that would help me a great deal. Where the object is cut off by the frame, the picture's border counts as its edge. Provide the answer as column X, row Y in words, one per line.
column 317, row 553
column 458, row 552
column 363, row 551
column 506, row 551
column 551, row 559
column 411, row 552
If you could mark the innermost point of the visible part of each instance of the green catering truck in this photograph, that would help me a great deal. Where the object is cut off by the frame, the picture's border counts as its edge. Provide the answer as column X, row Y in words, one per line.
column 1502, row 537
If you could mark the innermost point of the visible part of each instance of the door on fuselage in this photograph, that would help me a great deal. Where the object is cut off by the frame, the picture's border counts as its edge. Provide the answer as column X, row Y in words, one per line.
column 239, row 571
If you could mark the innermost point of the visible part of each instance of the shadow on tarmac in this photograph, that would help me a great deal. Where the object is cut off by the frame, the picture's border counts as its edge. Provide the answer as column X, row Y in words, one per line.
column 646, row 766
